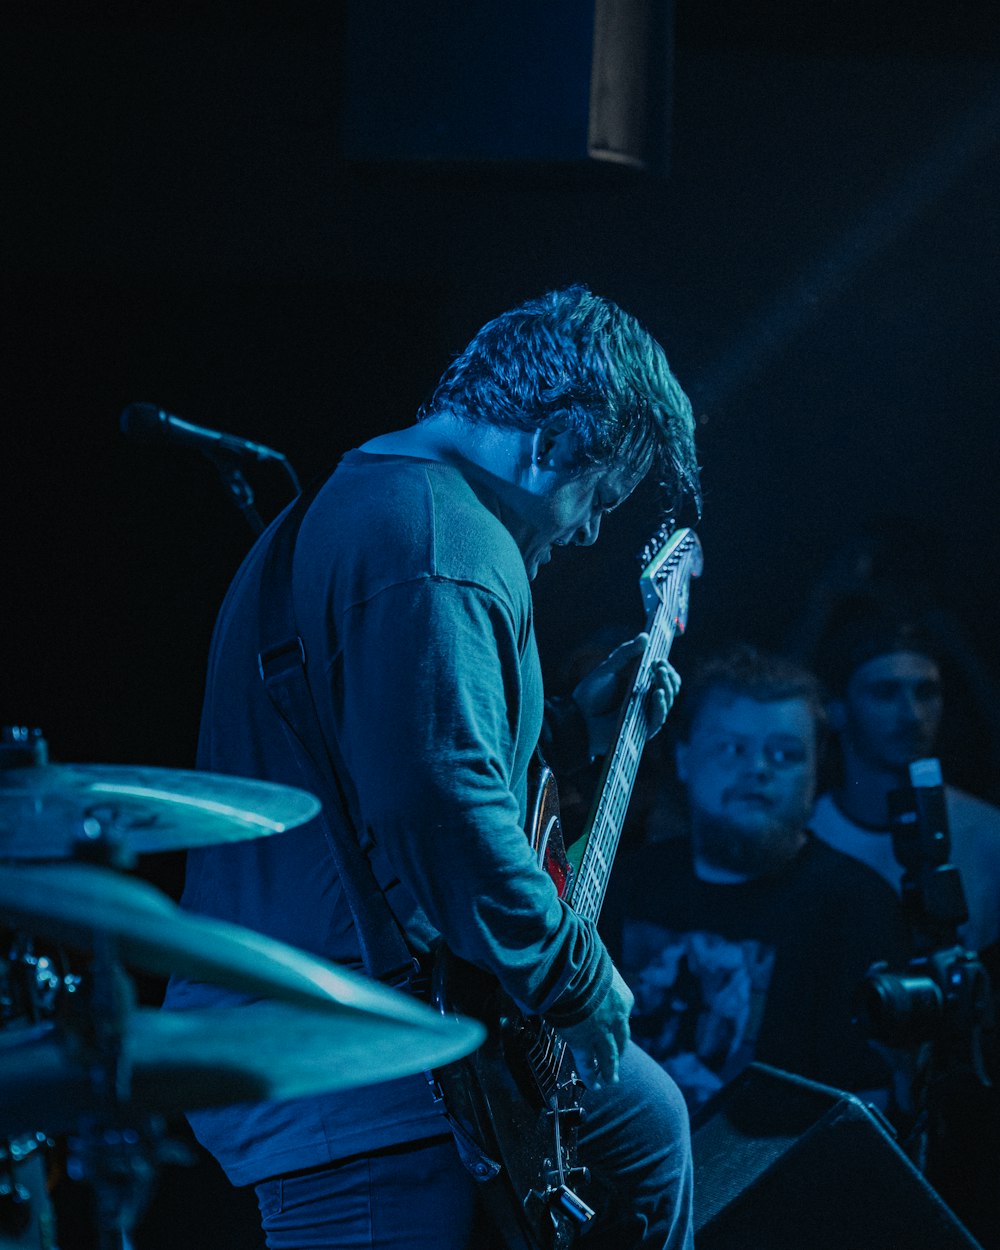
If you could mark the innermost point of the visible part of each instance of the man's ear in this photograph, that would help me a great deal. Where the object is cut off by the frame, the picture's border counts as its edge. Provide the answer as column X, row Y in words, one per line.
column 681, row 760
column 836, row 715
column 553, row 448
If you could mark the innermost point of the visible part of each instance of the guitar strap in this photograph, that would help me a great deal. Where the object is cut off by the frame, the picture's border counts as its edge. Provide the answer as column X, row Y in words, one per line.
column 281, row 661
column 282, row 664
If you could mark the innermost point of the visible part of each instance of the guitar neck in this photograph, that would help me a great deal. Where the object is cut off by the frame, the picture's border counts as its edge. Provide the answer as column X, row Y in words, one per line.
column 603, row 832
column 666, row 592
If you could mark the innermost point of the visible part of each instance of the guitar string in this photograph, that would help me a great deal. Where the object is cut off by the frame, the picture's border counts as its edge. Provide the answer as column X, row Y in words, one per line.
column 605, row 834
column 618, row 792
column 594, row 850
column 662, row 629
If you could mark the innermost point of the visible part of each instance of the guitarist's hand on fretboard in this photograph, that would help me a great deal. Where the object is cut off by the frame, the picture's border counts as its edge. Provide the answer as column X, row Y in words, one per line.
column 597, row 1042
column 600, row 694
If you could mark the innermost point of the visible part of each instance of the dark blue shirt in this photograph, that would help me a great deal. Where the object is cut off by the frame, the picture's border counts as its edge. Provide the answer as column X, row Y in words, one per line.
column 414, row 605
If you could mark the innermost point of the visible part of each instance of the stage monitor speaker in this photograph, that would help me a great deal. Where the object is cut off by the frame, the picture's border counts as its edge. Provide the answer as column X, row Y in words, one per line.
column 785, row 1164
column 566, row 82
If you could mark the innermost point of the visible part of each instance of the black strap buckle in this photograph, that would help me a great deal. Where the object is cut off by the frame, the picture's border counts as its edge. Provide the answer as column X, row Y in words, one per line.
column 285, row 655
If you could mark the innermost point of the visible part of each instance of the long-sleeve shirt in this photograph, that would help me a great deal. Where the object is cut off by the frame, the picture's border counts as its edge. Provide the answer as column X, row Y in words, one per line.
column 414, row 606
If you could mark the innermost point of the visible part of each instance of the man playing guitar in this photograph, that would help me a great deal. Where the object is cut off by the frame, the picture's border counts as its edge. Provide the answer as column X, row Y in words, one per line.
column 409, row 588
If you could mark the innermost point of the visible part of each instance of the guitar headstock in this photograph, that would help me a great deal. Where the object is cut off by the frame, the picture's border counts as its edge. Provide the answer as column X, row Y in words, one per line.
column 669, row 563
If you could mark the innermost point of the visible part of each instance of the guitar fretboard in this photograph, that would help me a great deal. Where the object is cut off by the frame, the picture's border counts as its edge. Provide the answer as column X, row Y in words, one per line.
column 603, row 834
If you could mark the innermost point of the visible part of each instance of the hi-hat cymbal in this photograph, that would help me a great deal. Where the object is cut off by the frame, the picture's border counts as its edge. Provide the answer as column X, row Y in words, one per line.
column 185, row 1060
column 71, row 903
column 47, row 811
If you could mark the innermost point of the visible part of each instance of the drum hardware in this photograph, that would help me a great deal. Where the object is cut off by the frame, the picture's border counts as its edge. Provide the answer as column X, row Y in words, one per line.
column 26, row 1218
column 175, row 1061
column 32, row 983
column 106, row 813
column 110, row 814
column 120, row 1165
column 115, row 1154
column 78, row 1057
column 110, row 1085
column 69, row 903
column 34, row 986
column 22, row 747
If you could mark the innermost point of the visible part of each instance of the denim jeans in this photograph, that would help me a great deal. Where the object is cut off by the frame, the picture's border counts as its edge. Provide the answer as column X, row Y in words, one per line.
column 418, row 1196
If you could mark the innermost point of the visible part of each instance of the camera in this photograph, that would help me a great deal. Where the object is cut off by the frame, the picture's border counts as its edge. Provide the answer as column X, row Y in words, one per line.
column 943, row 995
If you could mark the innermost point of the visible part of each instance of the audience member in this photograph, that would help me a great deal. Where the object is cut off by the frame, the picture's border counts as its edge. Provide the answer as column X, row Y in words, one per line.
column 883, row 674
column 748, row 940
column 910, row 564
column 883, row 670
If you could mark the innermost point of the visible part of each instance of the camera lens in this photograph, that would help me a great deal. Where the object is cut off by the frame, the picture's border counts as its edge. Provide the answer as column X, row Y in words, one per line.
column 900, row 1010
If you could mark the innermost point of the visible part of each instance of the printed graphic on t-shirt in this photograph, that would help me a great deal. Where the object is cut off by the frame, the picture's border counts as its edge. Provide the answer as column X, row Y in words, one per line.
column 699, row 1001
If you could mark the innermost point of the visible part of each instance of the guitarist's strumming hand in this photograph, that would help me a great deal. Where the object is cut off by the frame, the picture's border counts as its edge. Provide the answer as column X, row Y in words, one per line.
column 601, row 693
column 597, row 1042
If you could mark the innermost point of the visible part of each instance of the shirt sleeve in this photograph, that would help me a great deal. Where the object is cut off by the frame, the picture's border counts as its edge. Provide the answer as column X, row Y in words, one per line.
column 427, row 690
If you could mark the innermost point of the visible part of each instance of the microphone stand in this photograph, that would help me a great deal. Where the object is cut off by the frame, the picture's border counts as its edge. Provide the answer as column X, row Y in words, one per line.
column 238, row 488
column 147, row 423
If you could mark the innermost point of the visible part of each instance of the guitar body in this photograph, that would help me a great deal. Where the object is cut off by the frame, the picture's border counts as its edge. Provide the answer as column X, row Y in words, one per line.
column 518, row 1095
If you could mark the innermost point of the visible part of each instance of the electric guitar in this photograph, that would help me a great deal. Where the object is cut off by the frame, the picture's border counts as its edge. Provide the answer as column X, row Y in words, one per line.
column 516, row 1103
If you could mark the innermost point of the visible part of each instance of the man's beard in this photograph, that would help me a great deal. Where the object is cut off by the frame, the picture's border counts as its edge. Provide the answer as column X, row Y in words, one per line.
column 756, row 852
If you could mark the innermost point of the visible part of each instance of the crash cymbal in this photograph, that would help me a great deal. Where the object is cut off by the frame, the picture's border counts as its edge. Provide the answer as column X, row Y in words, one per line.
column 184, row 1060
column 73, row 903
column 47, row 811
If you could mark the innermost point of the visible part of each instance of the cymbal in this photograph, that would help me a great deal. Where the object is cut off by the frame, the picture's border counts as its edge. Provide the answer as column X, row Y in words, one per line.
column 47, row 810
column 71, row 903
column 186, row 1060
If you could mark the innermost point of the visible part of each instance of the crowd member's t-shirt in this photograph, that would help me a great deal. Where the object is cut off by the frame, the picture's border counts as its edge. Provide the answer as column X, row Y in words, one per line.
column 765, row 970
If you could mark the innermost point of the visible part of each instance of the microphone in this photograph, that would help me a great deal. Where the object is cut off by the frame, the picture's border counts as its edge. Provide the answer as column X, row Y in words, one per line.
column 146, row 423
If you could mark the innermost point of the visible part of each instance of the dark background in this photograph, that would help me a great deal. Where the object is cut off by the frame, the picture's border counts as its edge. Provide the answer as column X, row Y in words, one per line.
column 183, row 226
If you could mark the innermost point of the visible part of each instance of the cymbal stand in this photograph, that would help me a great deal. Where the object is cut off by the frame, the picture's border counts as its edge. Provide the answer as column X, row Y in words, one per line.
column 120, row 1164
column 116, row 1153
